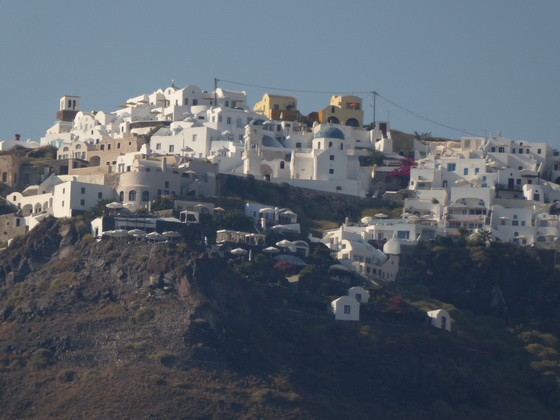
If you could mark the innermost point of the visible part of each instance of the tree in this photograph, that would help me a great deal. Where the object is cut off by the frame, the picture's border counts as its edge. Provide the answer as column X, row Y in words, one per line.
column 484, row 236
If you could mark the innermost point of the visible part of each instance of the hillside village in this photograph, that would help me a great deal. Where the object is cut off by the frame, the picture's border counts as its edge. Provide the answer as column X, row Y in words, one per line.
column 188, row 255
column 176, row 142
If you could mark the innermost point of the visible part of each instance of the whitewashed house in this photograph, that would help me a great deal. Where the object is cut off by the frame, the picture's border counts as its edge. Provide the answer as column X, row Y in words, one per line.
column 359, row 293
column 440, row 319
column 346, row 308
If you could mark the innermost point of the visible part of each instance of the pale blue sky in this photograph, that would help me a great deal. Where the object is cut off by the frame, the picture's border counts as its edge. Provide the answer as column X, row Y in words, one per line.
column 478, row 65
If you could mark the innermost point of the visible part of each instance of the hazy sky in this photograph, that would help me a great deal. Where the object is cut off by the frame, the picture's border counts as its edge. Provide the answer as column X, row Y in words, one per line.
column 477, row 65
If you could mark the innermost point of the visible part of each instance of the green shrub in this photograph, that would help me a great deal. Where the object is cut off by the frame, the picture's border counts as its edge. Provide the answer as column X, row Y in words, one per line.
column 138, row 346
column 66, row 375
column 112, row 256
column 88, row 238
column 165, row 358
column 42, row 358
column 89, row 377
column 144, row 315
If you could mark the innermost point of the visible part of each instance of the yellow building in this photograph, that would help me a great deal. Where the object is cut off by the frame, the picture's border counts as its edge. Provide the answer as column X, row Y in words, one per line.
column 346, row 110
column 278, row 107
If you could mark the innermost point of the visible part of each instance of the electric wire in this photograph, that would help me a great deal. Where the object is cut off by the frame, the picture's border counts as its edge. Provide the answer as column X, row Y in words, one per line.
column 375, row 93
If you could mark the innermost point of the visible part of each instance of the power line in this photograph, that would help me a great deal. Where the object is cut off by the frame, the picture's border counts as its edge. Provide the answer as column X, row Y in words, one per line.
column 292, row 90
column 461, row 130
column 369, row 92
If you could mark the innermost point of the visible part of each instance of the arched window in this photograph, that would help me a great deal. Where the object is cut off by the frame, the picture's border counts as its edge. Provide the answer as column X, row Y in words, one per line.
column 341, row 146
column 330, row 143
column 282, row 165
column 145, row 196
column 132, row 195
column 78, row 146
column 121, row 195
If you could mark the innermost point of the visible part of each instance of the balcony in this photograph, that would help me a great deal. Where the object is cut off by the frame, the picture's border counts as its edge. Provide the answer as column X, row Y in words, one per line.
column 508, row 187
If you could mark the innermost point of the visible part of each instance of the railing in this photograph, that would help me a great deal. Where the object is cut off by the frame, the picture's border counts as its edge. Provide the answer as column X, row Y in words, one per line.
column 508, row 187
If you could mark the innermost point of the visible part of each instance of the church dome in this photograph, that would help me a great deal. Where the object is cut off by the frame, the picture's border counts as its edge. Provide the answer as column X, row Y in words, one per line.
column 329, row 132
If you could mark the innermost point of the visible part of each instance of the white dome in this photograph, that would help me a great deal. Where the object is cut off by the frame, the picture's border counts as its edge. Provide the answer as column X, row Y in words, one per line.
column 392, row 247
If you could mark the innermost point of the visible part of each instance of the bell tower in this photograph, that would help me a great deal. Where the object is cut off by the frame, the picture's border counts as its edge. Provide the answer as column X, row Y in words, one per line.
column 69, row 107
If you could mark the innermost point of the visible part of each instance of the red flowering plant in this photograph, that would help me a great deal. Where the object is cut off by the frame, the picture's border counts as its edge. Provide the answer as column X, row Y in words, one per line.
column 403, row 171
column 285, row 266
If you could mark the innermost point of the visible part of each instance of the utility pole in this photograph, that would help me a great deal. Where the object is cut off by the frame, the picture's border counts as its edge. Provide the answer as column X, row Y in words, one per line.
column 374, row 98
column 215, row 93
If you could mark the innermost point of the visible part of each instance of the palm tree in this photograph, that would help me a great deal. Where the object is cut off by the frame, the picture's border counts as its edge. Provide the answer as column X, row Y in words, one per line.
column 484, row 236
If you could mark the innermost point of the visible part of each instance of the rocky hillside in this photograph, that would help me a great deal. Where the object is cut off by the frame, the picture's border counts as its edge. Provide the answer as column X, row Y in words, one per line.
column 127, row 329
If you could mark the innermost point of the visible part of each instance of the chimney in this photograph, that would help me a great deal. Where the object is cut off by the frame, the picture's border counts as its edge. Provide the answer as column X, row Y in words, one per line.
column 18, row 136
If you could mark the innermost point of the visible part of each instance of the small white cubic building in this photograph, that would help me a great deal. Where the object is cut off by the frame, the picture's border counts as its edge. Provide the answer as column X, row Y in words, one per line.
column 440, row 319
column 346, row 308
column 359, row 293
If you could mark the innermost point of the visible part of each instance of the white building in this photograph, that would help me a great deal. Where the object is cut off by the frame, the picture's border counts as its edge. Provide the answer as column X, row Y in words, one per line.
column 346, row 308
column 440, row 319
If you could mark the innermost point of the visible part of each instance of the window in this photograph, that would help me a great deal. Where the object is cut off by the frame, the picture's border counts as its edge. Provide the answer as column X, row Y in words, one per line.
column 330, row 143
column 276, row 107
column 331, row 157
column 501, row 149
column 99, row 195
column 331, row 171
column 118, row 145
column 102, row 147
column 347, row 309
column 476, row 171
column 282, row 164
column 132, row 195
column 186, row 101
column 465, row 171
column 166, row 184
column 171, row 148
column 194, row 136
column 82, row 202
column 195, row 102
column 403, row 234
column 63, row 204
column 145, row 196
column 451, row 167
column 158, row 146
column 359, row 297
column 228, row 120
column 108, row 147
column 298, row 146
column 239, row 123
